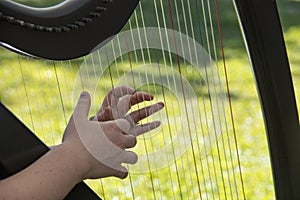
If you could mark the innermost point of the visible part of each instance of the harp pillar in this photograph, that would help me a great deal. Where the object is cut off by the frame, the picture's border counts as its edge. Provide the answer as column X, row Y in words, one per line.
column 267, row 51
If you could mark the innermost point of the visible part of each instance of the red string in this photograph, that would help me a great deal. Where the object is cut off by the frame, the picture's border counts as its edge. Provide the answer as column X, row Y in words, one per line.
column 184, row 97
column 228, row 93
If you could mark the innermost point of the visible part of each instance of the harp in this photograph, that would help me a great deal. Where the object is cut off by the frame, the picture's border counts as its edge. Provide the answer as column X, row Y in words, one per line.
column 170, row 48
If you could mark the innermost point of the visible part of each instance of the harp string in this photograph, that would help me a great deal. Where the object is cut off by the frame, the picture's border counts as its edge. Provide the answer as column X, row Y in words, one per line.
column 222, row 103
column 48, row 73
column 176, row 58
column 95, row 77
column 193, row 73
column 133, row 82
column 207, row 144
column 134, row 86
column 139, row 35
column 230, row 109
column 195, row 85
column 189, row 49
column 60, row 94
column 206, row 112
column 164, row 19
column 152, row 174
column 102, row 182
column 185, row 64
column 129, row 175
column 210, row 167
column 151, row 143
column 213, row 86
column 184, row 98
column 113, row 86
column 166, row 110
column 26, row 93
column 222, row 109
column 164, row 93
column 223, row 112
column 64, row 67
column 133, row 42
column 42, row 122
column 193, row 36
column 87, row 72
column 209, row 90
column 119, row 45
column 209, row 85
column 155, row 92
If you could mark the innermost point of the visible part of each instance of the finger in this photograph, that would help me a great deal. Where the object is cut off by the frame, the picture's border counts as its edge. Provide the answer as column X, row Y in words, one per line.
column 121, row 172
column 117, row 92
column 105, row 115
column 129, row 141
column 122, row 91
column 83, row 106
column 129, row 157
column 123, row 125
column 142, row 113
column 120, row 106
column 141, row 129
column 125, row 103
column 123, row 106
column 139, row 97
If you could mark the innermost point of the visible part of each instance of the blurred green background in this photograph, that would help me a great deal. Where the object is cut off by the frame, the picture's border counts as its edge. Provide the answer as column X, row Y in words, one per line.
column 252, row 142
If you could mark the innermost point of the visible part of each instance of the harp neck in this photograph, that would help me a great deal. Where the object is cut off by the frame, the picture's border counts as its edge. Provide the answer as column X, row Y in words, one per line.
column 61, row 28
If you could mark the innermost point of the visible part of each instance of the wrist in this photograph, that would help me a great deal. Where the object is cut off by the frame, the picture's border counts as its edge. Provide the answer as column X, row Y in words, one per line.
column 78, row 158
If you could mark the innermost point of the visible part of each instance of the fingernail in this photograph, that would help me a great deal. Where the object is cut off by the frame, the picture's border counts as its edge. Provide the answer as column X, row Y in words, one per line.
column 161, row 104
column 157, row 123
column 83, row 94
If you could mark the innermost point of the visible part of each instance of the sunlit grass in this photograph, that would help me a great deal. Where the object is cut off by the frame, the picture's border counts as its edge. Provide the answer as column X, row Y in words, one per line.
column 30, row 89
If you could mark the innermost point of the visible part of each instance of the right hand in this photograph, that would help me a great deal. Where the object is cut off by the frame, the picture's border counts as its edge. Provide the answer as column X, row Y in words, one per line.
column 100, row 146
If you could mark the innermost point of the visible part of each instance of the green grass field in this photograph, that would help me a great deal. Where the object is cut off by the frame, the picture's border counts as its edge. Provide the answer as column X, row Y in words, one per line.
column 39, row 106
column 35, row 91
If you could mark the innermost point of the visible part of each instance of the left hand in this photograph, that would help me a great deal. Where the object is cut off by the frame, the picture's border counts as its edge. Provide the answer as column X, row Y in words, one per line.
column 120, row 100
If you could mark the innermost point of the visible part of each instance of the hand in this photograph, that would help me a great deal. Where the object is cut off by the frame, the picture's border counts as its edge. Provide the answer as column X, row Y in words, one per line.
column 120, row 100
column 100, row 146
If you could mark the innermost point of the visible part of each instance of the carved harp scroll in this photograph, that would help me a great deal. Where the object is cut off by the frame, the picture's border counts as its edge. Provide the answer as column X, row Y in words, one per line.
column 56, row 32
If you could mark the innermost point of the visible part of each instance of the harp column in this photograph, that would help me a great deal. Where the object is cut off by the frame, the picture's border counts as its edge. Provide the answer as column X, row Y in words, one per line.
column 264, row 39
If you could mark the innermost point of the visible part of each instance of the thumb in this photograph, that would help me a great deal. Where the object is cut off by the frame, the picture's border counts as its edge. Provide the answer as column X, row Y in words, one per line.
column 83, row 106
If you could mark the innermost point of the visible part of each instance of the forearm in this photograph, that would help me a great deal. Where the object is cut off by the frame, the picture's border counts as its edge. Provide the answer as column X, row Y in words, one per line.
column 90, row 149
column 51, row 177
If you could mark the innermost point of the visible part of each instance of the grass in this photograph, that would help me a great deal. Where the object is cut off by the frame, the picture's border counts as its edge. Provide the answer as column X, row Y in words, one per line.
column 38, row 104
column 30, row 89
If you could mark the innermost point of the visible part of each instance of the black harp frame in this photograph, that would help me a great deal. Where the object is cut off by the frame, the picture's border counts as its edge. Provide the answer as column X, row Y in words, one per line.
column 263, row 34
column 57, row 32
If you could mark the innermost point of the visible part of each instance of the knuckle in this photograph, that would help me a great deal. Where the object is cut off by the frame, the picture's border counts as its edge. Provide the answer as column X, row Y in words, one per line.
column 122, row 143
column 134, row 141
column 122, row 174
